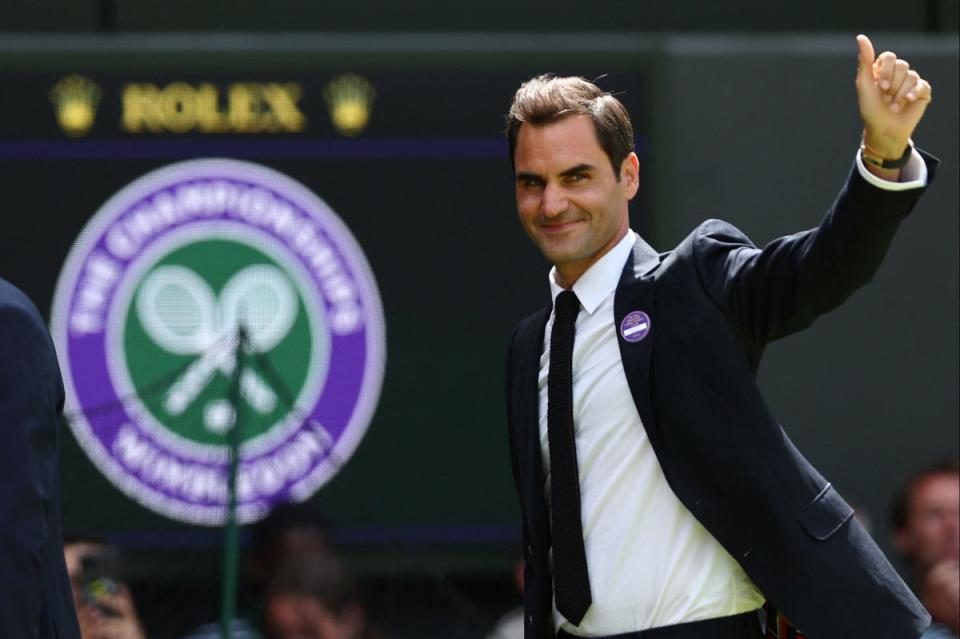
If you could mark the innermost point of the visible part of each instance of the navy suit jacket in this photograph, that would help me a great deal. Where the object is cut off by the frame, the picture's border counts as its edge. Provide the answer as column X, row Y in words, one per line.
column 714, row 302
column 35, row 596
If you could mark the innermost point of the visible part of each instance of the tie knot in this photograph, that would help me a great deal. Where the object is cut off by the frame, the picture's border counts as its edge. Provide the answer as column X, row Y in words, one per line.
column 567, row 305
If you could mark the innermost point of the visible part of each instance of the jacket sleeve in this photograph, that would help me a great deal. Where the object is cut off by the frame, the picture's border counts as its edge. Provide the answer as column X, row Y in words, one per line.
column 778, row 290
column 28, row 400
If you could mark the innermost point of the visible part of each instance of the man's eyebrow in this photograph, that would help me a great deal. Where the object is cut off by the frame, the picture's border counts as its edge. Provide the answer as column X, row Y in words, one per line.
column 524, row 176
column 580, row 168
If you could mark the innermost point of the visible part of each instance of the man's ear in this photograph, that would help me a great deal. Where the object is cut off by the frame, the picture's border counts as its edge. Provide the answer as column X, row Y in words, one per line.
column 630, row 175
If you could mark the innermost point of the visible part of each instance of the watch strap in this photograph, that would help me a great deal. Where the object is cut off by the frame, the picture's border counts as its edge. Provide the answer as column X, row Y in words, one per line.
column 872, row 157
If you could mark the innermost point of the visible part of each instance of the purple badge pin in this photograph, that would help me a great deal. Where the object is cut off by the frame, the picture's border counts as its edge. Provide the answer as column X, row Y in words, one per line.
column 635, row 326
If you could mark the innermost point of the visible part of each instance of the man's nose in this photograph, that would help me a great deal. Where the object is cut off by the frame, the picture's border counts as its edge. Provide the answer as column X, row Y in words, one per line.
column 554, row 201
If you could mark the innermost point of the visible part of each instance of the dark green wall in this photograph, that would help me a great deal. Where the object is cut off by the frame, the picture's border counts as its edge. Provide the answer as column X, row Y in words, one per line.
column 497, row 15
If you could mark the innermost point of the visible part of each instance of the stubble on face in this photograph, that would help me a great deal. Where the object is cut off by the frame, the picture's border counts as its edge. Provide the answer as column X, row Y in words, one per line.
column 568, row 197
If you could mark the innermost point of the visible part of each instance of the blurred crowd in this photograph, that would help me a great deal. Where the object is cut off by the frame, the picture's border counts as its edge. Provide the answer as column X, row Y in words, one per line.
column 925, row 520
column 306, row 591
column 303, row 588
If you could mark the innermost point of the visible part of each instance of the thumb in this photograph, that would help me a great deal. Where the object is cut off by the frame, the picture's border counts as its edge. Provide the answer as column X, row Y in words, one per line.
column 866, row 57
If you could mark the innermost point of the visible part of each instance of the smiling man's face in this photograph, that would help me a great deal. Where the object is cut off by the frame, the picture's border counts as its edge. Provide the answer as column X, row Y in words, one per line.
column 569, row 199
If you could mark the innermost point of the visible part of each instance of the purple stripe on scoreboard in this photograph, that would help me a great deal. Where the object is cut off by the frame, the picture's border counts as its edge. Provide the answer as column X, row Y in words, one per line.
column 428, row 534
column 374, row 148
column 318, row 148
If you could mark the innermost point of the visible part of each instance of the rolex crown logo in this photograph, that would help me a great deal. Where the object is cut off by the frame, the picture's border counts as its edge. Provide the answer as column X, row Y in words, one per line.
column 75, row 99
column 350, row 99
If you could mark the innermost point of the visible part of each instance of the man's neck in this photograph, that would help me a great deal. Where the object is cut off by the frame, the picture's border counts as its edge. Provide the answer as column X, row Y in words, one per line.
column 566, row 275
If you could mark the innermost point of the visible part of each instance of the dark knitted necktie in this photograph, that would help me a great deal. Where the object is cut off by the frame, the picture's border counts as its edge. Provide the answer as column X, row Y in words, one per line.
column 570, row 579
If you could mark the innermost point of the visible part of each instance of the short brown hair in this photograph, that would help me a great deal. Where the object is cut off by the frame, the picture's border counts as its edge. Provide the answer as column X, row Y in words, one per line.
column 548, row 98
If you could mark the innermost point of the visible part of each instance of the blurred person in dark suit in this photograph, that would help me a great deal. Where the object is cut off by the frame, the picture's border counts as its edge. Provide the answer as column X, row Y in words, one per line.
column 35, row 600
column 315, row 596
column 105, row 606
column 926, row 533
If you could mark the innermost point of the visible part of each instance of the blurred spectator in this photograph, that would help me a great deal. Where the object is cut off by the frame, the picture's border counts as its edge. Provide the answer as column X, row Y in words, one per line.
column 104, row 604
column 314, row 596
column 289, row 530
column 926, row 532
column 239, row 629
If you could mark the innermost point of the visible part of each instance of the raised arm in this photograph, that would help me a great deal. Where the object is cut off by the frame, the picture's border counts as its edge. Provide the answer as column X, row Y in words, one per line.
column 782, row 288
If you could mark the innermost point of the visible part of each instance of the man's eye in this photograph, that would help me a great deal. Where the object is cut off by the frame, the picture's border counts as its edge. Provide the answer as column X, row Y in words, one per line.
column 577, row 177
column 531, row 183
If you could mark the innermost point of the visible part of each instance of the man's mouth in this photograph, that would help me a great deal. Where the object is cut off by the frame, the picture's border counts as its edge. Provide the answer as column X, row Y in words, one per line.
column 560, row 227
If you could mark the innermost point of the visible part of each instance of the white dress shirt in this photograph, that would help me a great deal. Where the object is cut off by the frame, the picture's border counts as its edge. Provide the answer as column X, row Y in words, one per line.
column 651, row 563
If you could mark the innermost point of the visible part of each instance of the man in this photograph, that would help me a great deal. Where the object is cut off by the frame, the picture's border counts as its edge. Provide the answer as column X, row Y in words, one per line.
column 926, row 532
column 35, row 600
column 314, row 595
column 290, row 531
column 660, row 497
column 105, row 607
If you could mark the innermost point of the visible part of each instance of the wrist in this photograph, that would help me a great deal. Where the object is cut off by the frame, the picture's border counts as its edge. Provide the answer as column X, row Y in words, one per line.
column 885, row 160
column 887, row 147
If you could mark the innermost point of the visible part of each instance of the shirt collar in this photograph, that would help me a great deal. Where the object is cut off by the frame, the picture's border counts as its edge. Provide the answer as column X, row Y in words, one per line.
column 601, row 278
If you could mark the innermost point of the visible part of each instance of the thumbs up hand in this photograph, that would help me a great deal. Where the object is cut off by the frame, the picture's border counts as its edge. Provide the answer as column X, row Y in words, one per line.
column 892, row 99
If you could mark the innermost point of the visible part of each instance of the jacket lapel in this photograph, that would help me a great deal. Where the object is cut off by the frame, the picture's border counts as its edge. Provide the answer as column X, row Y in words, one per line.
column 530, row 347
column 634, row 307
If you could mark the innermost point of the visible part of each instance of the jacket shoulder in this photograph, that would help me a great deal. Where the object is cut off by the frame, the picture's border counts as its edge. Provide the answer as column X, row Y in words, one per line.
column 713, row 236
column 528, row 327
column 15, row 306
column 709, row 246
column 23, row 333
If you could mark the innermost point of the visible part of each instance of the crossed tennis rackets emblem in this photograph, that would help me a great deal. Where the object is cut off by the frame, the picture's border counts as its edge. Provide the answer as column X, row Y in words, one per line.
column 183, row 316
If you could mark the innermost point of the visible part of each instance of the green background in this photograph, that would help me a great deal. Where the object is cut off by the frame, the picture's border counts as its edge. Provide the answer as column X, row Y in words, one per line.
column 216, row 261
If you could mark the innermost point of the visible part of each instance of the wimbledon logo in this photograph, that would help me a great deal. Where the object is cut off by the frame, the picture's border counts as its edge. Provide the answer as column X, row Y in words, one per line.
column 147, row 317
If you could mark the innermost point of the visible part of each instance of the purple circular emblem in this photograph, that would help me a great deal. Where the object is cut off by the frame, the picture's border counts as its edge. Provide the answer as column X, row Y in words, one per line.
column 146, row 316
column 635, row 326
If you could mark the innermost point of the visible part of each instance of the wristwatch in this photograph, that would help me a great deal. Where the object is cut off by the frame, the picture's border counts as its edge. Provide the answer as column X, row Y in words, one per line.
column 872, row 157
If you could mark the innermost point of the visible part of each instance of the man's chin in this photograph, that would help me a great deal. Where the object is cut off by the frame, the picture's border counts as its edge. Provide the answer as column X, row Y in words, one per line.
column 560, row 252
column 558, row 259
